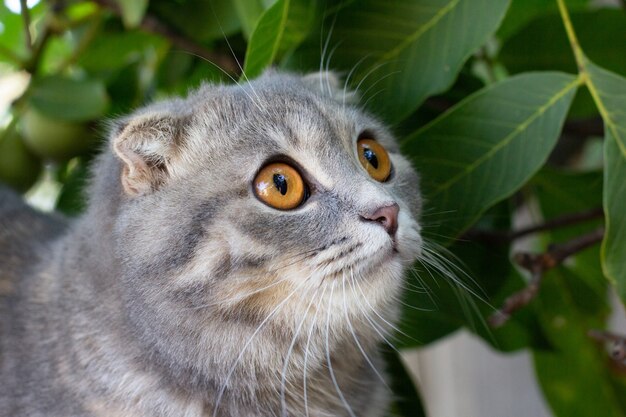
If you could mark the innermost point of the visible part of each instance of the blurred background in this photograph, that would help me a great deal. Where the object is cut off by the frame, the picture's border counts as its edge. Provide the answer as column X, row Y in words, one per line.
column 68, row 66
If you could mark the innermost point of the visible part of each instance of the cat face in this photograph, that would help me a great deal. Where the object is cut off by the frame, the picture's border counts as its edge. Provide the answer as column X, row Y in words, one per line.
column 254, row 204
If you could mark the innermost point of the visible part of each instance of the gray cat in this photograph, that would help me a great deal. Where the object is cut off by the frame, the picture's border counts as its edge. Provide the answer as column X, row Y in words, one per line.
column 242, row 254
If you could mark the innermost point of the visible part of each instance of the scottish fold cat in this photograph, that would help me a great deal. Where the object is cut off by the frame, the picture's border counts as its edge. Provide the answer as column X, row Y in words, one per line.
column 242, row 254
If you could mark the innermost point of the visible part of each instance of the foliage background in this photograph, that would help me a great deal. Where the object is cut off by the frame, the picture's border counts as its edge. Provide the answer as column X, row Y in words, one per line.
column 505, row 106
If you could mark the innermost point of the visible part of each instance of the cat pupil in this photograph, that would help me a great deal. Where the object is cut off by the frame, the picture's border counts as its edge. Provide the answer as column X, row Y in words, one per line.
column 281, row 183
column 371, row 157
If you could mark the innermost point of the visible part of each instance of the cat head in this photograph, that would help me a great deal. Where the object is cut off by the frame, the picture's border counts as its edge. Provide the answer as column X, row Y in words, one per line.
column 264, row 203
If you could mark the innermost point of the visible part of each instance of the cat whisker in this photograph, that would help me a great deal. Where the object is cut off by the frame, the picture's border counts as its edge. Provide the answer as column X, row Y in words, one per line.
column 391, row 325
column 324, row 48
column 306, row 354
column 372, row 97
column 326, row 69
column 233, row 79
column 367, row 317
column 356, row 339
column 230, row 48
column 347, row 80
column 399, row 300
column 293, row 342
column 370, row 72
column 330, row 366
column 247, row 344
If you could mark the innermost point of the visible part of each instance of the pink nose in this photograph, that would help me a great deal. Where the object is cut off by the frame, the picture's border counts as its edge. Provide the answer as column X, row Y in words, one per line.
column 386, row 216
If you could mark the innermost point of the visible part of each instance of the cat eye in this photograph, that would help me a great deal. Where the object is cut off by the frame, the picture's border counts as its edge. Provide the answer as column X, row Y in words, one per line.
column 374, row 159
column 280, row 186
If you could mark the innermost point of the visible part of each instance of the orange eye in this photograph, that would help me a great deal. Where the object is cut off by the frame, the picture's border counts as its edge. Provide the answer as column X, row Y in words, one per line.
column 374, row 159
column 280, row 186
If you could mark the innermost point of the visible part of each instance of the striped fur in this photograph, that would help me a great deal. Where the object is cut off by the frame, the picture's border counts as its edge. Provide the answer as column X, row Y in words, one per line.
column 178, row 293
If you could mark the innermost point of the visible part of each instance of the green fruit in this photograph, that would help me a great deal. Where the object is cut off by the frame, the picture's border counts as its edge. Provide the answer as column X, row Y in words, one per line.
column 54, row 139
column 19, row 167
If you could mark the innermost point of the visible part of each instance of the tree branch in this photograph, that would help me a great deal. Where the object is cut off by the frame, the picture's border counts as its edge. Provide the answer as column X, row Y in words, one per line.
column 538, row 264
column 616, row 344
column 507, row 236
column 154, row 25
column 26, row 17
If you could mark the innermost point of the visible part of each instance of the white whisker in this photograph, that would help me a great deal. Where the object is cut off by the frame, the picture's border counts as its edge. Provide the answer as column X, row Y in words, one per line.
column 330, row 366
column 247, row 344
column 293, row 342
column 356, row 339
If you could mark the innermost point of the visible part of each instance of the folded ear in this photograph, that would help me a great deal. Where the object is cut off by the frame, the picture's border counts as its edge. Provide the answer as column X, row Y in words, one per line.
column 328, row 83
column 146, row 144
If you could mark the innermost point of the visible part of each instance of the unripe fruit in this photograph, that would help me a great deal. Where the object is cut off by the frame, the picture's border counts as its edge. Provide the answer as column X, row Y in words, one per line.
column 54, row 139
column 19, row 167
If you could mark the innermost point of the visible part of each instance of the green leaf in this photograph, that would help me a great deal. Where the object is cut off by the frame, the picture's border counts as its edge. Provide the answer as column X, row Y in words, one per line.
column 523, row 11
column 543, row 45
column 69, row 99
column 487, row 147
column 12, row 39
column 133, row 11
column 609, row 92
column 281, row 28
column 200, row 20
column 403, row 52
column 575, row 376
column 407, row 402
column 118, row 49
column 249, row 12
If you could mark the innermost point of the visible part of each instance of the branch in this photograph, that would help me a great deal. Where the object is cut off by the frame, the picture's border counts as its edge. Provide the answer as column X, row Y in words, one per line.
column 507, row 236
column 538, row 264
column 616, row 343
column 26, row 18
column 154, row 25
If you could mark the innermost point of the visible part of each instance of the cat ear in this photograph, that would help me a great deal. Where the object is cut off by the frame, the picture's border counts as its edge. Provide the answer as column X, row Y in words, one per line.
column 146, row 144
column 329, row 83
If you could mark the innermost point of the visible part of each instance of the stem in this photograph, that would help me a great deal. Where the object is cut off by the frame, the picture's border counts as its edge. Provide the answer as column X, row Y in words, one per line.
column 503, row 237
column 26, row 17
column 616, row 342
column 538, row 264
column 571, row 36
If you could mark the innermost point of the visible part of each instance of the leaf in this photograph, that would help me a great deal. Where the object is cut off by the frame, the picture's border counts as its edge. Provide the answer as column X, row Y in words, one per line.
column 403, row 52
column 249, row 12
column 543, row 45
column 281, row 28
column 118, row 49
column 407, row 402
column 523, row 11
column 200, row 20
column 69, row 99
column 12, row 39
column 487, row 146
column 133, row 11
column 609, row 92
column 436, row 303
column 574, row 375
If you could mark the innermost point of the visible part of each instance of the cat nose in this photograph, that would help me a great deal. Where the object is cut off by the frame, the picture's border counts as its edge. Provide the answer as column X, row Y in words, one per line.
column 386, row 216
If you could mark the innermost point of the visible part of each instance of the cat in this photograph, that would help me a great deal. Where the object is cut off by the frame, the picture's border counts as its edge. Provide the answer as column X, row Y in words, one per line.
column 242, row 254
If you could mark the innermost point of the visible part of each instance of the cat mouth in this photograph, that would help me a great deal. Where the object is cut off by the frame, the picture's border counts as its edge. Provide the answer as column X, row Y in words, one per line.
column 348, row 259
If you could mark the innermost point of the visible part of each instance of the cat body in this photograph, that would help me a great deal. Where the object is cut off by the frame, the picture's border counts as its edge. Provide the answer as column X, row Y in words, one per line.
column 180, row 293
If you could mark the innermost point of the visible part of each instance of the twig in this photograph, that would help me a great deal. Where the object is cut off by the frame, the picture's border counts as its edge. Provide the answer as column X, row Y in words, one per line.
column 616, row 344
column 11, row 55
column 152, row 24
column 507, row 236
column 26, row 18
column 538, row 264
